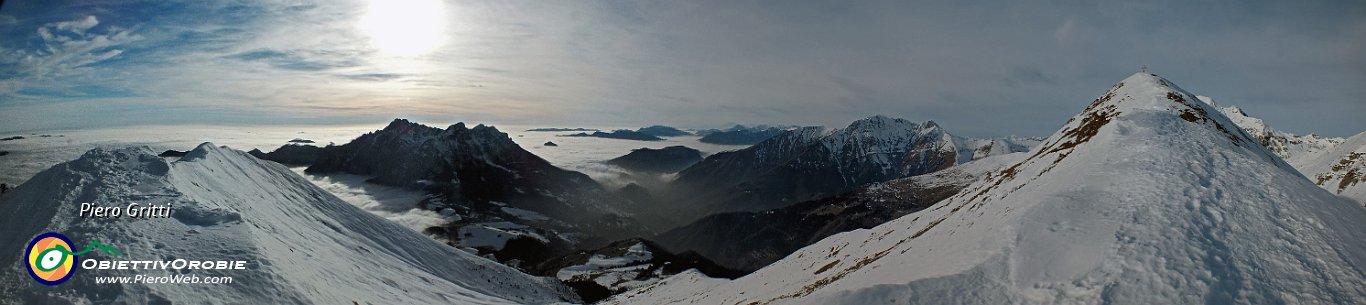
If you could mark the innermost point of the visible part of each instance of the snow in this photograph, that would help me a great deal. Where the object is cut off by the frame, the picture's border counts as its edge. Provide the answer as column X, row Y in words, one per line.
column 302, row 244
column 495, row 235
column 1147, row 197
column 1286, row 145
column 524, row 214
column 615, row 273
column 972, row 148
column 1340, row 169
column 1329, row 162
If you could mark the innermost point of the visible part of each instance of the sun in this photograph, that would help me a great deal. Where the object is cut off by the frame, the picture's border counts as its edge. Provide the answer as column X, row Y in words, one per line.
column 405, row 27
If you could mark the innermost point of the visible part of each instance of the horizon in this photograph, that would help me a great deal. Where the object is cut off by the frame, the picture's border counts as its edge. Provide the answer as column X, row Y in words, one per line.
column 982, row 71
column 586, row 152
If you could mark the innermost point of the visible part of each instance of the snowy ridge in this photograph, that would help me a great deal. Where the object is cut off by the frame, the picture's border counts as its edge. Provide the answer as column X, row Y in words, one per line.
column 1340, row 170
column 1148, row 196
column 970, row 149
column 1286, row 145
column 302, row 244
column 1338, row 165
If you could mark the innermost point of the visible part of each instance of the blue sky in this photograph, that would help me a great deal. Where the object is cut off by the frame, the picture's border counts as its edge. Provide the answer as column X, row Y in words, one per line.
column 979, row 69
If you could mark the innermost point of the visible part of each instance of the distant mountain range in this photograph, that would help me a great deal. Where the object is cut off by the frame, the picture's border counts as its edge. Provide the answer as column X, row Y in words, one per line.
column 1336, row 164
column 496, row 191
column 557, row 129
column 815, row 162
column 620, row 134
column 663, row 131
column 1147, row 196
column 741, row 135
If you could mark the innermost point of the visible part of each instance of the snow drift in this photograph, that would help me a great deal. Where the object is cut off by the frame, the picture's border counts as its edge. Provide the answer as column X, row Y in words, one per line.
column 301, row 244
column 1148, row 196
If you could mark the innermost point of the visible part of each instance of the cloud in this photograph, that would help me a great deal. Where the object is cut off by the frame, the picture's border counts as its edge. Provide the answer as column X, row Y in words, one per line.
column 980, row 70
column 377, row 77
column 1064, row 31
column 294, row 60
column 62, row 50
column 77, row 26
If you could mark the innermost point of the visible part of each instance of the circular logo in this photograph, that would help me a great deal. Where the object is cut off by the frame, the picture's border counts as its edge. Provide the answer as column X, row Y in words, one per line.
column 51, row 260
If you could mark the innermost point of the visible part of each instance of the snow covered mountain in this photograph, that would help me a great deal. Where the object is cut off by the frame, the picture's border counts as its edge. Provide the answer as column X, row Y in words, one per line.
column 1148, row 196
column 970, row 149
column 815, row 162
column 301, row 243
column 750, row 240
column 1286, row 145
column 1336, row 164
column 1340, row 170
column 483, row 182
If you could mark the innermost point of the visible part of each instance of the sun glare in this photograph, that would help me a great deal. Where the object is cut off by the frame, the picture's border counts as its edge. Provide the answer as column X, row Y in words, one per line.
column 405, row 27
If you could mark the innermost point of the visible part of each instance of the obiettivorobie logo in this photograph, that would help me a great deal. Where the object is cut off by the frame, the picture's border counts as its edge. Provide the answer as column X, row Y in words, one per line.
column 50, row 259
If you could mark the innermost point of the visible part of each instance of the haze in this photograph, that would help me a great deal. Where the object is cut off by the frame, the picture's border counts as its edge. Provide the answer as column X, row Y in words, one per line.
column 986, row 69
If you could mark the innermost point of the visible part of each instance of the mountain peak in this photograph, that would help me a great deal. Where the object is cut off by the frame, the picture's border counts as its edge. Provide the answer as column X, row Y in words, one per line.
column 877, row 117
column 1146, row 196
column 399, row 123
column 1149, row 100
column 209, row 194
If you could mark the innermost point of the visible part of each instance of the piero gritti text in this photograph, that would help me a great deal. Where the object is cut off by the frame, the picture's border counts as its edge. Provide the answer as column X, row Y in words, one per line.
column 132, row 210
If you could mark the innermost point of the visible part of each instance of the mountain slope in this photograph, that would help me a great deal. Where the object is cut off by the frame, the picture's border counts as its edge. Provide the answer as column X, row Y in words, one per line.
column 1286, row 145
column 812, row 162
column 301, row 244
column 1338, row 165
column 1340, row 170
column 475, row 171
column 970, row 149
column 1148, row 196
column 750, row 240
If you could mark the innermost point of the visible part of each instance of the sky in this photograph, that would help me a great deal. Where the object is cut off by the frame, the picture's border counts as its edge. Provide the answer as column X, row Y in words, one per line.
column 978, row 68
